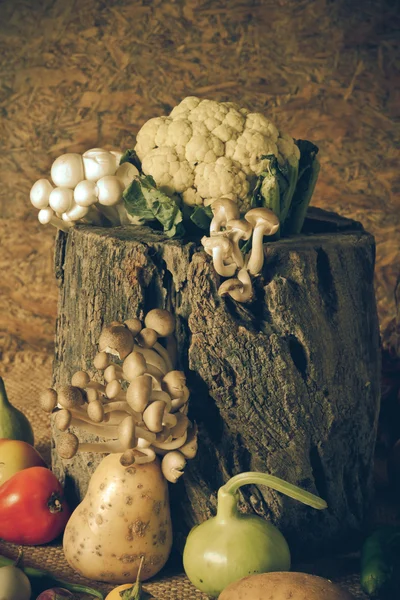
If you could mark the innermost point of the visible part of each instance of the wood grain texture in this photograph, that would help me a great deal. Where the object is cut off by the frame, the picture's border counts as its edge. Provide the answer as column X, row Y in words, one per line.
column 288, row 384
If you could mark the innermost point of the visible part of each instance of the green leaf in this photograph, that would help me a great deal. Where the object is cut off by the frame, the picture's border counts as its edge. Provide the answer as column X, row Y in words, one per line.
column 307, row 178
column 202, row 217
column 131, row 157
column 143, row 200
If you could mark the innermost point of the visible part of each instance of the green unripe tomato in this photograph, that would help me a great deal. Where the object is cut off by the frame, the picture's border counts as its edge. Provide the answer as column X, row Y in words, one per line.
column 218, row 553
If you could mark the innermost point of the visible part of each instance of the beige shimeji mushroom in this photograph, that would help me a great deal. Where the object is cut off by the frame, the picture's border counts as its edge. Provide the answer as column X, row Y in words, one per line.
column 141, row 409
column 264, row 223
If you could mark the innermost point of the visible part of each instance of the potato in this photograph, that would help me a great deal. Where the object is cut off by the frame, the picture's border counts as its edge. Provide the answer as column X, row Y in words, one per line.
column 284, row 585
column 125, row 515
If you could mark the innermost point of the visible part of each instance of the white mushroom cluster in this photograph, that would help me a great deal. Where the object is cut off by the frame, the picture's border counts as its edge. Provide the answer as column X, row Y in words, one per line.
column 140, row 409
column 87, row 188
column 227, row 231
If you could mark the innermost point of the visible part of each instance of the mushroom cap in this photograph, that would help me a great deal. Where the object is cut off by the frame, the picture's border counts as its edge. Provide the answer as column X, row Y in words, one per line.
column 241, row 228
column 95, row 411
column 229, row 285
column 67, row 170
column 112, row 372
column 172, row 465
column 40, row 193
column 189, row 448
column 126, row 173
column 153, row 416
column 80, row 379
column 75, row 213
column 98, row 163
column 134, row 366
column 113, row 388
column 48, row 400
column 101, row 361
column 139, row 391
column 127, row 433
column 225, row 209
column 263, row 217
column 217, row 242
column 147, row 337
column 134, row 325
column 92, row 395
column 161, row 320
column 116, row 340
column 70, row 396
column 85, row 193
column 63, row 419
column 175, row 383
column 45, row 215
column 61, row 199
column 67, row 445
column 109, row 190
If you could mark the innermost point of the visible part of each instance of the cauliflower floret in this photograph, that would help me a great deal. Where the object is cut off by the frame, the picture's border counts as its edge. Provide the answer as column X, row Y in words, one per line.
column 146, row 138
column 182, row 110
column 248, row 149
column 221, row 178
column 287, row 150
column 170, row 173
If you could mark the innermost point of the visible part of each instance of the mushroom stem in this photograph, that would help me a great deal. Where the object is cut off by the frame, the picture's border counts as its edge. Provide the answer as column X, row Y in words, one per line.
column 219, row 265
column 104, row 431
column 152, row 358
column 174, row 445
column 163, row 352
column 121, row 405
column 46, row 216
column 256, row 259
column 101, row 447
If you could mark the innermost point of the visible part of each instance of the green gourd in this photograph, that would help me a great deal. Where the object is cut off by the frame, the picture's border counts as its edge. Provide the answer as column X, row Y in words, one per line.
column 13, row 423
column 232, row 545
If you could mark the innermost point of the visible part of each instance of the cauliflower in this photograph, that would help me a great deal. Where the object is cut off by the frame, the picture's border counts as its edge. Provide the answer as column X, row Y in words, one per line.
column 206, row 149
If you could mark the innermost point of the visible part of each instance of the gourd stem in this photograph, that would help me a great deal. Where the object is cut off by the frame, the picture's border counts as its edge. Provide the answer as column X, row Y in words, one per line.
column 275, row 483
column 3, row 394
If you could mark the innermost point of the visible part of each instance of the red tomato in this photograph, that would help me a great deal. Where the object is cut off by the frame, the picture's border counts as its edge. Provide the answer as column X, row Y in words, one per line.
column 32, row 507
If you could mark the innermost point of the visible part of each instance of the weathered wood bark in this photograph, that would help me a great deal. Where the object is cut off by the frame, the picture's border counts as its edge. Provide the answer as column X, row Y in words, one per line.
column 287, row 385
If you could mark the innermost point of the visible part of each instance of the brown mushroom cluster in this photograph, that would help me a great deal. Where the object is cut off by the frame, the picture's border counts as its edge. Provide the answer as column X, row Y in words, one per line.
column 227, row 231
column 140, row 409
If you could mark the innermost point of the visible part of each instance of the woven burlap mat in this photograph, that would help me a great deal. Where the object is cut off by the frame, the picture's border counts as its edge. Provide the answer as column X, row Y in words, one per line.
column 24, row 379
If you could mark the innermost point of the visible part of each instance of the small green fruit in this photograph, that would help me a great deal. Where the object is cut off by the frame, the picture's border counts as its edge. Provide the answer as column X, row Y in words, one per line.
column 13, row 423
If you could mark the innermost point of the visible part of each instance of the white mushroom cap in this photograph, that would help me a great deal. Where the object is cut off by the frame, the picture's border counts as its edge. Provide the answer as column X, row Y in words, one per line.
column 175, row 383
column 75, row 213
column 126, row 173
column 172, row 465
column 85, row 193
column 67, row 170
column 47, row 216
column 109, row 190
column 161, row 320
column 224, row 210
column 154, row 416
column 61, row 199
column 99, row 163
column 40, row 193
column 220, row 248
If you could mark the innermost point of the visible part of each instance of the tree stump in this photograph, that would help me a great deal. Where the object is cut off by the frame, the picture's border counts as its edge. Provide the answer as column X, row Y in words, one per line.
column 289, row 384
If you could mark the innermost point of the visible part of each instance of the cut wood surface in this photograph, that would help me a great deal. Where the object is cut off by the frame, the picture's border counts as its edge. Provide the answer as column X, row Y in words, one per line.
column 288, row 384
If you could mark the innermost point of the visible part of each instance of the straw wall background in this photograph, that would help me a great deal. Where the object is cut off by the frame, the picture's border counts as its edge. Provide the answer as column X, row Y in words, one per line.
column 83, row 73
